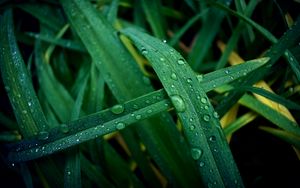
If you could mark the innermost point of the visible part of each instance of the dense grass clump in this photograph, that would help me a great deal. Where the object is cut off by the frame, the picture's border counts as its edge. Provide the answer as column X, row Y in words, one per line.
column 149, row 93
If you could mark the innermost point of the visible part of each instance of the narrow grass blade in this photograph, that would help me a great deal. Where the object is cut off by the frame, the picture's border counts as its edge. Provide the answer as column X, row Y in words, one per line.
column 193, row 108
column 72, row 173
column 113, row 11
column 153, row 12
column 158, row 133
column 235, row 35
column 270, row 114
column 9, row 137
column 18, row 84
column 179, row 33
column 26, row 175
column 206, row 36
column 294, row 63
column 286, row 136
column 239, row 123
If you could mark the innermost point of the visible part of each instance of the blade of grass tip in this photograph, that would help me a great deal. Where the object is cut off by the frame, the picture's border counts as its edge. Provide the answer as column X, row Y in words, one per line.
column 51, row 48
column 239, row 123
column 286, row 136
column 272, row 96
column 113, row 11
column 195, row 111
column 191, row 4
column 269, row 113
column 274, row 53
column 236, row 35
column 92, row 126
column 158, row 133
column 45, row 13
column 9, row 136
column 153, row 12
column 174, row 40
column 18, row 84
column 206, row 35
column 65, row 43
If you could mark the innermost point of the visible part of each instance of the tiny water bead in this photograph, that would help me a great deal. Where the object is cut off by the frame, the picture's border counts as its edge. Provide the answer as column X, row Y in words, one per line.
column 196, row 153
column 192, row 127
column 64, row 128
column 226, row 71
column 180, row 61
column 43, row 135
column 117, row 109
column 174, row 76
column 120, row 126
column 200, row 77
column 138, row 117
column 144, row 51
column 178, row 103
column 203, row 100
column 201, row 164
column 216, row 115
column 189, row 80
column 162, row 59
column 149, row 111
column 212, row 138
column 206, row 117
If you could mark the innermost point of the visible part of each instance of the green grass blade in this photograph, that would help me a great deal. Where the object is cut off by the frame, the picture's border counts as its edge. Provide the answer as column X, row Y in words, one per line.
column 276, row 98
column 26, row 175
column 113, row 11
column 235, row 35
column 239, row 123
column 206, row 36
column 153, row 12
column 18, row 84
column 179, row 33
column 286, row 136
column 270, row 114
column 294, row 63
column 195, row 111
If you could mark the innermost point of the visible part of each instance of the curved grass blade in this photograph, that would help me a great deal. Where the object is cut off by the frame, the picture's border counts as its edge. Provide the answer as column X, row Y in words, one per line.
column 200, row 122
column 159, row 134
column 18, row 84
column 286, row 136
column 113, row 11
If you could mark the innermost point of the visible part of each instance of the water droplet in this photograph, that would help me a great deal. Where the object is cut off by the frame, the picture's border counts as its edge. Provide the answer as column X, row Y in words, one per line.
column 164, row 41
column 120, row 126
column 192, row 127
column 135, row 106
column 162, row 59
column 43, row 135
column 12, row 164
column 206, row 117
column 226, row 71
column 117, row 109
column 212, row 138
column 189, row 80
column 138, row 117
column 77, row 140
column 206, row 107
column 180, row 61
column 216, row 115
column 231, row 77
column 200, row 77
column 203, row 100
column 174, row 76
column 149, row 111
column 196, row 153
column 24, row 111
column 201, row 164
column 64, row 128
column 178, row 103
column 191, row 119
column 29, row 103
column 69, row 173
column 144, row 51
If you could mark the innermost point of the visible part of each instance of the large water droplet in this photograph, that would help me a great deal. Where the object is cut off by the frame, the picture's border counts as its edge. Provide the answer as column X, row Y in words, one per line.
column 64, row 128
column 196, row 153
column 206, row 117
column 178, row 103
column 117, row 109
column 180, row 61
column 43, row 135
column 203, row 100
column 120, row 126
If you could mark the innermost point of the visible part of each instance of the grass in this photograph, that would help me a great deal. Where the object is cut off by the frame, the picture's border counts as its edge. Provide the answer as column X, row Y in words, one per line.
column 128, row 93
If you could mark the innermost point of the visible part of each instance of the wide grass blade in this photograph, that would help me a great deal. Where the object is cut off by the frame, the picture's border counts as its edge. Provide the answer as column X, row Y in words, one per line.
column 18, row 84
column 200, row 122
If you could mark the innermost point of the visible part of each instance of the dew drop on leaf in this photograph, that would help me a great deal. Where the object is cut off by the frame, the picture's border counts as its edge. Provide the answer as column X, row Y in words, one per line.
column 206, row 117
column 196, row 153
column 138, row 117
column 174, row 76
column 178, row 103
column 120, row 126
column 117, row 109
column 43, row 135
column 180, row 61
